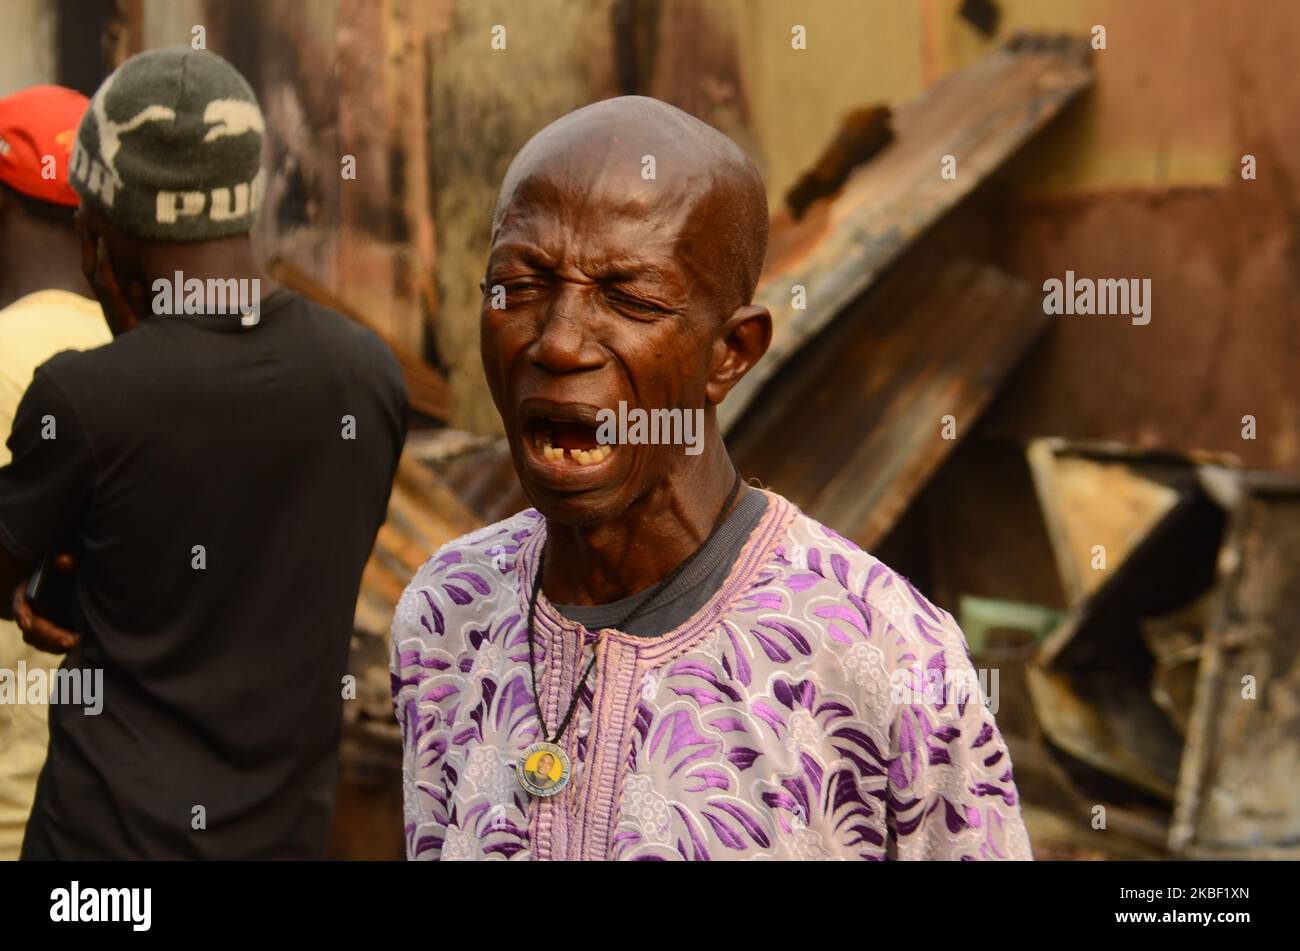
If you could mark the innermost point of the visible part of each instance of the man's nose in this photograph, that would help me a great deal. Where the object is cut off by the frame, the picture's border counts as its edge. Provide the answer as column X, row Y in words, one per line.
column 565, row 343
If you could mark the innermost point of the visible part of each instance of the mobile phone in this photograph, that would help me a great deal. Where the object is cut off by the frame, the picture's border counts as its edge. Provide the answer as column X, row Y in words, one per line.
column 53, row 594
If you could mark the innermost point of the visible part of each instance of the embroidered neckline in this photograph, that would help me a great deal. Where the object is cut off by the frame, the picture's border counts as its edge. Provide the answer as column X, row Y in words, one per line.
column 758, row 549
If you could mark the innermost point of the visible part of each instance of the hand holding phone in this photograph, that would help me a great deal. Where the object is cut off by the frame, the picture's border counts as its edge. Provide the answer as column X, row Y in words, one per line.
column 46, row 607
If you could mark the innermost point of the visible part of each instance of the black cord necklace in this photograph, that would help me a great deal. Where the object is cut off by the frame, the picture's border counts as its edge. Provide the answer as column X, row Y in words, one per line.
column 543, row 768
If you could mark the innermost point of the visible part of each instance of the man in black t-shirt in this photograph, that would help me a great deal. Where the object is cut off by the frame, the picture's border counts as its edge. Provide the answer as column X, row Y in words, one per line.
column 218, row 473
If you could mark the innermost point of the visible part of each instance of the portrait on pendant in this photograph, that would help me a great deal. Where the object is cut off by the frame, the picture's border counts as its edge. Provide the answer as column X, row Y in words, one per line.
column 543, row 769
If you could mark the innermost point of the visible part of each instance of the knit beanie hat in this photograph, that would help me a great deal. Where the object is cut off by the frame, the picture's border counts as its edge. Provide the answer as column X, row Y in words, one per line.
column 170, row 149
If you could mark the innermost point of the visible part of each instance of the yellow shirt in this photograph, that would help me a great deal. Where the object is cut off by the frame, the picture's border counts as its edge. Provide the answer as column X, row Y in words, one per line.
column 32, row 330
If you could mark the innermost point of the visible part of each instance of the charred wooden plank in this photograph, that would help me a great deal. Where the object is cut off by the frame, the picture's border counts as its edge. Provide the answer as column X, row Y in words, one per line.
column 854, row 429
column 862, row 134
column 980, row 115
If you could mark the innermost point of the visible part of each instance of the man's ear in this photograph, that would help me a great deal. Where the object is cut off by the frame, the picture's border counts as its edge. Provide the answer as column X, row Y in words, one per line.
column 96, row 263
column 741, row 342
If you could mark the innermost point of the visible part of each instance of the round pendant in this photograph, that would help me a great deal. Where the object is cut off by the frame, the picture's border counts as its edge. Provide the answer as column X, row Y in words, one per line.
column 543, row 769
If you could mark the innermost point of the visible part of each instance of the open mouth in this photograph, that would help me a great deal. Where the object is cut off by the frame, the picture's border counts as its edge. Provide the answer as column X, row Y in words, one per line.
column 566, row 441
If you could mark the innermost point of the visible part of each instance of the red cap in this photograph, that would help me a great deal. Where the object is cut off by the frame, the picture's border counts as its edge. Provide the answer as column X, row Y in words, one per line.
column 35, row 123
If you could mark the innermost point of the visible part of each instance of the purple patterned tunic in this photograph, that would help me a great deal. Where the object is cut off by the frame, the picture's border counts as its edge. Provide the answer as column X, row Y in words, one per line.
column 789, row 718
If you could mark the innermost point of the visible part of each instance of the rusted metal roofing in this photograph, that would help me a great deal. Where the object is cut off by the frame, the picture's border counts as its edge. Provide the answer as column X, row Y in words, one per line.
column 423, row 515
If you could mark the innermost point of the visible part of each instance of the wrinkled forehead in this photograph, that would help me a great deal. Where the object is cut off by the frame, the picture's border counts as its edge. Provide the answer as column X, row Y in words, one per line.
column 601, row 199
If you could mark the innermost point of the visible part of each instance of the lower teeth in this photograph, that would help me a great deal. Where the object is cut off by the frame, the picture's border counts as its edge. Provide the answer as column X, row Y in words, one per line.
column 583, row 457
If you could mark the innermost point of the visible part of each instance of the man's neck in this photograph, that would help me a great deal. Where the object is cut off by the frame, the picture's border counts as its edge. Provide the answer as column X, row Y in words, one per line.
column 616, row 559
column 221, row 260
column 169, row 274
column 43, row 259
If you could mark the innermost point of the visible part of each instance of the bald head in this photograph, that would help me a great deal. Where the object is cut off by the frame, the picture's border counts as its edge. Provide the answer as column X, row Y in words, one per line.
column 639, row 158
column 626, row 245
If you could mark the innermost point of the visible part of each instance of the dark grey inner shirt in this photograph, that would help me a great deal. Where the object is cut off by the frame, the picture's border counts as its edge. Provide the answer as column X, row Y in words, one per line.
column 690, row 590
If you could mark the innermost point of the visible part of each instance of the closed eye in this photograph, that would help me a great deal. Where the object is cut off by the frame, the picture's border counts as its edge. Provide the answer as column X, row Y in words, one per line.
column 636, row 307
column 518, row 288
